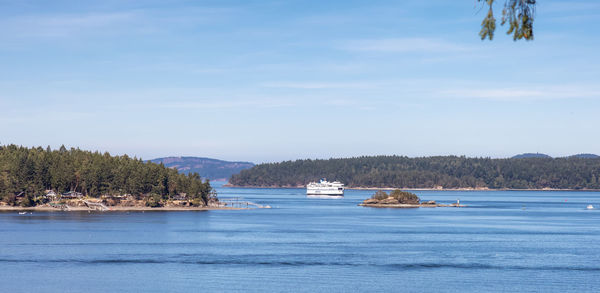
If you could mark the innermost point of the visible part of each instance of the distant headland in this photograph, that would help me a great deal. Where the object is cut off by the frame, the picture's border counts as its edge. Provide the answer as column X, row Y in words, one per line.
column 523, row 172
column 72, row 179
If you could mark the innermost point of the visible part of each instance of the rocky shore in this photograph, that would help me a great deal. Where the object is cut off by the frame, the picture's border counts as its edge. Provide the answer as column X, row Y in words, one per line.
column 401, row 205
column 45, row 208
column 78, row 205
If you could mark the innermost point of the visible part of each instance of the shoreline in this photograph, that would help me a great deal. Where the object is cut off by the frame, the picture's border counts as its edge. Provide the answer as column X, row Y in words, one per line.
column 420, row 189
column 410, row 206
column 114, row 209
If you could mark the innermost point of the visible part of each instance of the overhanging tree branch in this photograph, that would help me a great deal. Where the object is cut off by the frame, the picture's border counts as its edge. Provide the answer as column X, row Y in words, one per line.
column 518, row 14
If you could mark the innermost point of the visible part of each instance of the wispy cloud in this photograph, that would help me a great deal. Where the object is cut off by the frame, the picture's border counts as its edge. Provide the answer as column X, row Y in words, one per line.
column 321, row 85
column 38, row 115
column 66, row 24
column 536, row 92
column 394, row 45
column 566, row 6
column 227, row 104
column 568, row 12
column 575, row 18
column 145, row 21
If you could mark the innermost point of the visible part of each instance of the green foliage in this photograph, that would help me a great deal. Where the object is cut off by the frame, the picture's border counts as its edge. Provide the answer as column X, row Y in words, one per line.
column 405, row 196
column 34, row 170
column 28, row 201
column 430, row 172
column 154, row 201
column 10, row 199
column 196, row 202
column 517, row 13
column 380, row 195
column 399, row 195
column 488, row 25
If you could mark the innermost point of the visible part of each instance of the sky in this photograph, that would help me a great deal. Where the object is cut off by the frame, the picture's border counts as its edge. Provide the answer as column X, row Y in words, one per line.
column 266, row 81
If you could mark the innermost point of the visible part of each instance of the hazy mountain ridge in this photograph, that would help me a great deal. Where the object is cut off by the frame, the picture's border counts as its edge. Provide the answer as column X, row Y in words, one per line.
column 530, row 155
column 586, row 156
column 540, row 155
column 212, row 169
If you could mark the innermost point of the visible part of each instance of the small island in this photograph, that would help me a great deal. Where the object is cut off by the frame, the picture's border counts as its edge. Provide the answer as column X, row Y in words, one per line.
column 401, row 199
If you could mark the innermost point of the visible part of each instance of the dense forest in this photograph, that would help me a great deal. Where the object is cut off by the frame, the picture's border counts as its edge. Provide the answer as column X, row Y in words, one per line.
column 32, row 171
column 430, row 172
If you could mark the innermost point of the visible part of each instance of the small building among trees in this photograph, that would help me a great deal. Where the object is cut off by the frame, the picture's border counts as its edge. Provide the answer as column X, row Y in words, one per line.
column 180, row 196
column 71, row 195
column 51, row 195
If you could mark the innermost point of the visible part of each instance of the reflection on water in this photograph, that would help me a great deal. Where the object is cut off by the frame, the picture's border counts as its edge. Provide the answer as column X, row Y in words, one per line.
column 324, row 196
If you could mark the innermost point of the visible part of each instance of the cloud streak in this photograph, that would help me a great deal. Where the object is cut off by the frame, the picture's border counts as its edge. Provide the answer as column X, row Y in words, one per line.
column 133, row 21
column 536, row 92
column 403, row 45
column 66, row 24
column 322, row 85
column 227, row 104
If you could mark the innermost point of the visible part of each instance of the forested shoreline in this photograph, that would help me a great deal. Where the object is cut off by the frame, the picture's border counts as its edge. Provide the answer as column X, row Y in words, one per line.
column 447, row 172
column 32, row 172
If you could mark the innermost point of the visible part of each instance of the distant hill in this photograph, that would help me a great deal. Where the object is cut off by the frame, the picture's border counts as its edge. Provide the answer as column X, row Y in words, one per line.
column 538, row 155
column 586, row 156
column 531, row 155
column 207, row 168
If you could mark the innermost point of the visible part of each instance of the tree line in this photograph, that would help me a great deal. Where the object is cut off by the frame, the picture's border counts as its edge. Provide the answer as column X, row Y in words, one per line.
column 430, row 172
column 33, row 171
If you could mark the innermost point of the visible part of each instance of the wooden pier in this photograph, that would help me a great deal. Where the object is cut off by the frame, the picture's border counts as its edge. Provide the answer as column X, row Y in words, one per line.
column 61, row 206
column 239, row 202
column 96, row 206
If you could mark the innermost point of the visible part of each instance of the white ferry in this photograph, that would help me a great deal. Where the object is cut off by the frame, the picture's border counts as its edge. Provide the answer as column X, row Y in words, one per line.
column 325, row 188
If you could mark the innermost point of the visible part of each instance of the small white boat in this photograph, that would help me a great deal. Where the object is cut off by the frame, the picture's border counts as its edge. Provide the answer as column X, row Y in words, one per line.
column 22, row 213
column 590, row 207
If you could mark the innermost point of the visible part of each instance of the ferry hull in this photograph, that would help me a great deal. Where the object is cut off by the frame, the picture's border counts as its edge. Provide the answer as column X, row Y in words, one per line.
column 324, row 196
column 325, row 192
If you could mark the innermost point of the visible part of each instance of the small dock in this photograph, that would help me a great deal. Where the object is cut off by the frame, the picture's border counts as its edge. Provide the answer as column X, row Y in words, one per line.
column 61, row 206
column 239, row 202
column 98, row 206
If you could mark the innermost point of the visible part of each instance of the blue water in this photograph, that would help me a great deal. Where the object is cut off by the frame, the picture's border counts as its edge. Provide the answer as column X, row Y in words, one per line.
column 503, row 241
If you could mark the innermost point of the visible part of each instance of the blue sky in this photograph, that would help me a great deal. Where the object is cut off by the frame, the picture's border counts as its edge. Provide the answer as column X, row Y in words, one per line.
column 279, row 80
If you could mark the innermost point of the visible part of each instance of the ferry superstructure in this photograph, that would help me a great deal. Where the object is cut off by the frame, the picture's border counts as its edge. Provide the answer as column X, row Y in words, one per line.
column 323, row 187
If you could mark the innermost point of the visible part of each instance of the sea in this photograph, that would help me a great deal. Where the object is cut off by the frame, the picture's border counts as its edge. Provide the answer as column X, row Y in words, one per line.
column 502, row 241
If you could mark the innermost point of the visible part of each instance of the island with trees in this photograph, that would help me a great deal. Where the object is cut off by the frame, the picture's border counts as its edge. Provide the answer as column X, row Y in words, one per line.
column 440, row 172
column 74, row 179
column 401, row 199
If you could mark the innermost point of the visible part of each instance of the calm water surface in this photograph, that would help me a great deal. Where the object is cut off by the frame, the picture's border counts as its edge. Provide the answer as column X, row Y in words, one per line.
column 503, row 241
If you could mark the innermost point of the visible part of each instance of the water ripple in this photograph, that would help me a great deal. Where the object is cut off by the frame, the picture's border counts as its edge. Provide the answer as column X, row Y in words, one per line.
column 398, row 266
